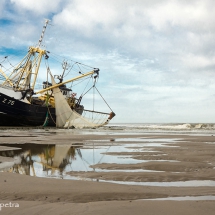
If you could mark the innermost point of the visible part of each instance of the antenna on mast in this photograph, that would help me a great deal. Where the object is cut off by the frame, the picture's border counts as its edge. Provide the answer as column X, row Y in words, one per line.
column 43, row 32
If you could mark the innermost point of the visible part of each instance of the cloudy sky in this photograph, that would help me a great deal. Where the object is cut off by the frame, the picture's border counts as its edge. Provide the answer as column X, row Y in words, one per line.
column 156, row 57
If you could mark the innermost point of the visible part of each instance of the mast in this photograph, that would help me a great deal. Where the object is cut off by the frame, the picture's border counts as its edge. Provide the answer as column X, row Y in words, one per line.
column 28, row 68
column 43, row 32
column 65, row 66
column 40, row 51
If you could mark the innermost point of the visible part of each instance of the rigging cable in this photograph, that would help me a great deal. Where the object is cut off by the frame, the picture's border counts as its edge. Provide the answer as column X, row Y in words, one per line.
column 4, row 59
column 48, row 70
column 69, row 70
column 103, row 98
column 10, row 63
column 72, row 60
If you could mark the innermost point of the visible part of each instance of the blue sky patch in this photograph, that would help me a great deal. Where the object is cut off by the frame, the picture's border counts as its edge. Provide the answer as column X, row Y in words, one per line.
column 5, row 22
column 10, row 51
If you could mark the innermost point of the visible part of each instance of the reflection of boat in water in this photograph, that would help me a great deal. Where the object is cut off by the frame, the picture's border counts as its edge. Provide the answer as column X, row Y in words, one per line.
column 48, row 158
column 58, row 161
column 55, row 104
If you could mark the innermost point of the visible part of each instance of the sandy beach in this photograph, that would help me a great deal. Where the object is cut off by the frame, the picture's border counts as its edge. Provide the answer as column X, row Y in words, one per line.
column 182, row 165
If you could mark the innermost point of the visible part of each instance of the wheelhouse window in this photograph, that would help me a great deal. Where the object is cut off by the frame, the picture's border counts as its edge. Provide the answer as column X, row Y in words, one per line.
column 64, row 92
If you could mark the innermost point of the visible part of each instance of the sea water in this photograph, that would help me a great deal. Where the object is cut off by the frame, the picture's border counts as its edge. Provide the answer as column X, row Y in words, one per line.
column 195, row 127
column 150, row 128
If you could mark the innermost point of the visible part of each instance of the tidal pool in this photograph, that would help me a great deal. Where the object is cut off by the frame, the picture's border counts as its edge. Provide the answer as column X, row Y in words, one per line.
column 184, row 198
column 56, row 161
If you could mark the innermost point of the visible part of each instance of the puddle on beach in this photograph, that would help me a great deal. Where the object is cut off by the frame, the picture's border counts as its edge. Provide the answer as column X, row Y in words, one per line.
column 207, row 183
column 53, row 160
column 56, row 161
column 182, row 198
column 196, row 183
column 143, row 141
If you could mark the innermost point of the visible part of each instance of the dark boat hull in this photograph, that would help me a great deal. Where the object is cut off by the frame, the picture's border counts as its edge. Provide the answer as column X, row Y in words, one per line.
column 14, row 112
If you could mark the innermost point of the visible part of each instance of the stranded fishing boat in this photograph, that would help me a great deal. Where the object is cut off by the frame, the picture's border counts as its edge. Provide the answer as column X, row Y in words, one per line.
column 53, row 105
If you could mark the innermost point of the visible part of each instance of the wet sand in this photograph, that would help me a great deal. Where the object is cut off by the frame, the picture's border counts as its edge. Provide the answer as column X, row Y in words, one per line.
column 187, row 158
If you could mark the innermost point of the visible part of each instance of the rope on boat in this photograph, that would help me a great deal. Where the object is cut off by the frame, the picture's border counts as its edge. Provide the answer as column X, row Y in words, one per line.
column 48, row 113
column 46, row 120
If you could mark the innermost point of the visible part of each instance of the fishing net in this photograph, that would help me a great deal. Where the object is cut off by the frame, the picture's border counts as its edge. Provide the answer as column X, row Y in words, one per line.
column 78, row 121
column 66, row 117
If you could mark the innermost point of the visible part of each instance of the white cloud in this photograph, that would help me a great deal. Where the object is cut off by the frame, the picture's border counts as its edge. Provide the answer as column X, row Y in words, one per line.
column 156, row 57
column 88, row 16
column 37, row 6
column 2, row 7
column 193, row 61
